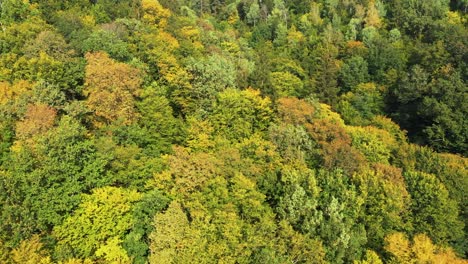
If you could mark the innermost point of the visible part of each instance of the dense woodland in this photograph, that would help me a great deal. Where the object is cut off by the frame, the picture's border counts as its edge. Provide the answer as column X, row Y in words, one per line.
column 233, row 131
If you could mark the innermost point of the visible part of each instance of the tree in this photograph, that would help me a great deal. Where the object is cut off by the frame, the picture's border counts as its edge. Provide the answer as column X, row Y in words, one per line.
column 335, row 144
column 106, row 41
column 97, row 227
column 170, row 235
column 327, row 67
column 30, row 251
column 111, row 87
column 361, row 104
column 375, row 144
column 353, row 72
column 112, row 10
column 15, row 92
column 158, row 123
column 285, row 84
column 155, row 13
column 297, row 247
column 38, row 119
column 434, row 213
column 294, row 144
column 45, row 180
column 50, row 42
column 136, row 242
column 253, row 14
column 416, row 17
column 295, row 111
column 210, row 76
column 238, row 114
column 420, row 250
column 431, row 108
column 337, row 223
column 298, row 202
column 370, row 258
column 372, row 15
column 181, row 178
column 386, row 203
column 14, row 11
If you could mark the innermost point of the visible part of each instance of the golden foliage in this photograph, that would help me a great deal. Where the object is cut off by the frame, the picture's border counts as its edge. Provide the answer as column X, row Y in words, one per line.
column 295, row 111
column 12, row 92
column 420, row 251
column 111, row 87
column 372, row 18
column 155, row 13
column 30, row 251
column 336, row 145
column 38, row 119
column 188, row 172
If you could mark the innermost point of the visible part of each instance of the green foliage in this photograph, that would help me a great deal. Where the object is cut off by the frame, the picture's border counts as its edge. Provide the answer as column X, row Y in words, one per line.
column 376, row 145
column 418, row 16
column 433, row 211
column 159, row 128
column 386, row 202
column 46, row 177
column 239, row 114
column 337, row 223
column 361, row 104
column 285, row 84
column 102, row 40
column 135, row 242
column 440, row 104
column 210, row 76
column 171, row 236
column 52, row 43
column 353, row 72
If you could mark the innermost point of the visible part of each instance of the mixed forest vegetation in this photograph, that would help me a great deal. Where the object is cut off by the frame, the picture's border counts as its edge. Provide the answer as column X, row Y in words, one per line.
column 233, row 131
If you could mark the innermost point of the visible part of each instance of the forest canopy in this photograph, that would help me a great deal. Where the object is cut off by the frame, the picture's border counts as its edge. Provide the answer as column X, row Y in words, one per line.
column 233, row 131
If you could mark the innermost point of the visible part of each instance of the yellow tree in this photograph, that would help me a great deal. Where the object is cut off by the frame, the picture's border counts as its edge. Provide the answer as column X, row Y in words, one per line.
column 170, row 239
column 420, row 251
column 15, row 91
column 30, row 251
column 97, row 228
column 111, row 87
column 155, row 13
column 372, row 15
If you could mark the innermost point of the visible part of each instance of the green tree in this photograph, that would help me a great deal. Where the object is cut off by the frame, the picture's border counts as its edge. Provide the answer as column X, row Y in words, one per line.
column 386, row 203
column 286, row 84
column 431, row 108
column 45, row 180
column 14, row 11
column 417, row 16
column 239, row 114
column 107, row 41
column 337, row 223
column 353, row 72
column 210, row 76
column 50, row 42
column 136, row 241
column 434, row 213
